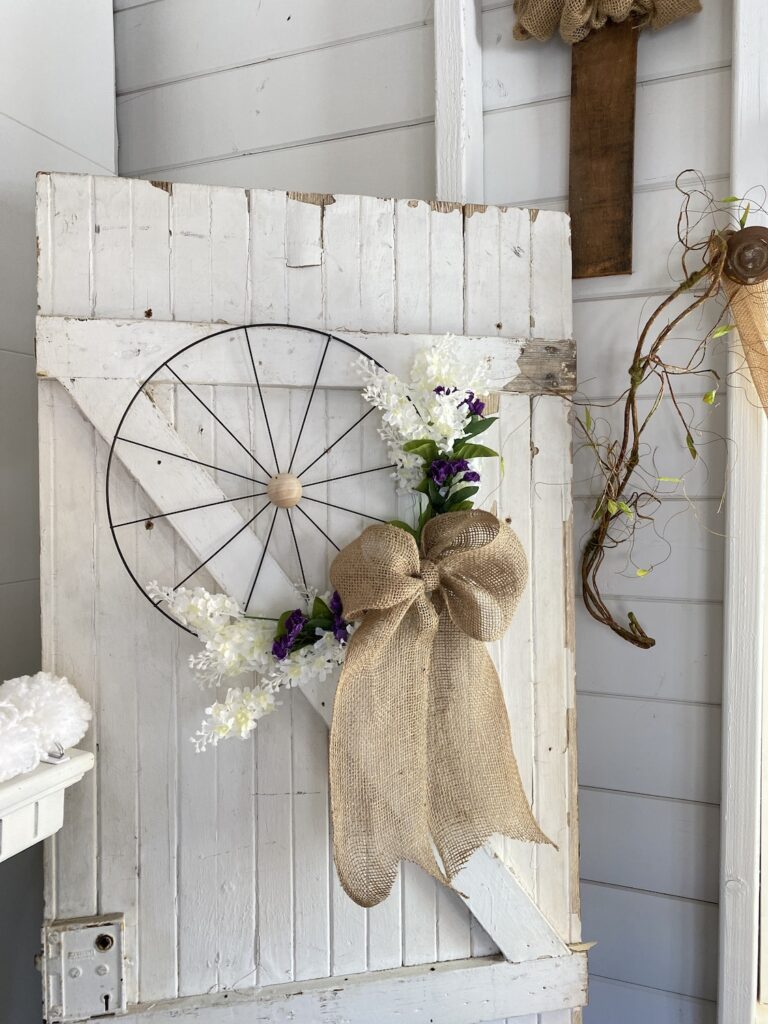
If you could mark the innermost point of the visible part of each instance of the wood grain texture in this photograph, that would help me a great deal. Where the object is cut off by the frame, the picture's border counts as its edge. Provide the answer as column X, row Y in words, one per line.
column 603, row 150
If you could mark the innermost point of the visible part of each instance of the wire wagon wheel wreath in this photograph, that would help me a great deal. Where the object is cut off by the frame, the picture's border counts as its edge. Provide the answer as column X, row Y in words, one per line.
column 305, row 464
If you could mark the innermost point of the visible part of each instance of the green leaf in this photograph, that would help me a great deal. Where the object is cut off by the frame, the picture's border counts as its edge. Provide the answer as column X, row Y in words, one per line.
column 626, row 509
column 709, row 398
column 423, row 486
column 730, row 199
column 402, row 526
column 722, row 329
column 424, row 448
column 613, row 507
column 459, row 496
column 462, row 506
column 587, row 419
column 642, row 572
column 477, row 427
column 320, row 609
column 476, row 451
column 434, row 495
column 280, row 631
column 743, row 217
column 691, row 446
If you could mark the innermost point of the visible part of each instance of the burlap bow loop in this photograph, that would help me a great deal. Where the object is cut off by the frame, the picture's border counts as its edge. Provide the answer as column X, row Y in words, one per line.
column 420, row 754
column 575, row 19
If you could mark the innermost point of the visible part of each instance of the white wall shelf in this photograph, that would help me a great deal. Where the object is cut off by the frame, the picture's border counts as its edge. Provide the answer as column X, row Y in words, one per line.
column 32, row 805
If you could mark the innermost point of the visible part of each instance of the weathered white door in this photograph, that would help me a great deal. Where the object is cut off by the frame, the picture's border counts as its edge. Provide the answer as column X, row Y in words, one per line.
column 221, row 862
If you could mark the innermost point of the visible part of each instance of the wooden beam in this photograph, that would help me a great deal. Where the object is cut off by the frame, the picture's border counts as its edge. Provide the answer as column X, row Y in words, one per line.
column 453, row 992
column 130, row 350
column 745, row 604
column 458, row 101
column 603, row 81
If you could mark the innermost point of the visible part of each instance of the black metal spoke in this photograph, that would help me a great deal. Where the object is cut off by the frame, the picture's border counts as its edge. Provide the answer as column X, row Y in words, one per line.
column 346, row 476
column 309, row 402
column 261, row 560
column 196, row 462
column 191, row 508
column 309, row 517
column 261, row 399
column 296, row 545
column 341, row 438
column 222, row 546
column 221, row 423
column 341, row 508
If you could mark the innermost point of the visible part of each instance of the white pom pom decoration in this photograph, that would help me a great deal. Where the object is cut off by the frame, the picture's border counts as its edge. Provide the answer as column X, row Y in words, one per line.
column 37, row 715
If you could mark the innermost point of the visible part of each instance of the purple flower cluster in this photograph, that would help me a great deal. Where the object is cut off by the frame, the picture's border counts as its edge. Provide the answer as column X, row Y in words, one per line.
column 339, row 622
column 445, row 471
column 444, row 389
column 294, row 624
column 475, row 405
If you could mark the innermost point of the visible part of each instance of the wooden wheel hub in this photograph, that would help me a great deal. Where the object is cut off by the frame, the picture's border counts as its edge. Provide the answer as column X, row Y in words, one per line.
column 284, row 490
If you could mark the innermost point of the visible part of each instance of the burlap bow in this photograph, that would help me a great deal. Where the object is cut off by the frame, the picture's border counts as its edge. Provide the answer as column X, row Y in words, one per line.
column 577, row 18
column 420, row 745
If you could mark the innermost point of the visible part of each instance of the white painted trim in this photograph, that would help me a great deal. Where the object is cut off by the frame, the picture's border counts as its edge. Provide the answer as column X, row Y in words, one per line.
column 32, row 805
column 459, row 101
column 745, row 574
column 453, row 992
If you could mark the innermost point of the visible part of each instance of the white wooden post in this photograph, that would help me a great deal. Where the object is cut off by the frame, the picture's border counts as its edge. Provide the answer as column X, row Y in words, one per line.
column 744, row 623
column 459, row 101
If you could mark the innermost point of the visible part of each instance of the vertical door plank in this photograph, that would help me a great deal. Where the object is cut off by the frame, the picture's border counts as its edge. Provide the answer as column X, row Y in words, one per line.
column 267, row 256
column 69, row 626
column 191, row 286
column 412, row 309
column 303, row 251
column 446, row 315
column 112, row 248
column 311, row 864
column 377, row 274
column 229, row 255
column 151, row 250
column 118, row 766
column 71, row 244
column 235, row 759
column 342, row 239
column 554, row 788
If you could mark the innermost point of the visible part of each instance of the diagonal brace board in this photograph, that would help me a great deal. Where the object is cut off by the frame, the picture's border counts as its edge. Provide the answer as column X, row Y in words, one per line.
column 488, row 887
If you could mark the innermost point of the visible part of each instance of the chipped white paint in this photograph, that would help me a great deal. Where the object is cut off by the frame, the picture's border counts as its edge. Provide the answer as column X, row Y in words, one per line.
column 229, row 880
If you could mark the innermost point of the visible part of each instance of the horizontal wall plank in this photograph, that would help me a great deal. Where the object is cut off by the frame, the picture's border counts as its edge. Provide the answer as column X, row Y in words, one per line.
column 647, row 746
column 668, row 139
column 20, row 616
column 20, row 549
column 607, row 332
column 686, row 663
column 663, row 445
column 516, row 72
column 161, row 42
column 682, row 547
column 666, row 846
column 381, row 82
column 652, row 940
column 83, row 117
column 614, row 1001
column 396, row 162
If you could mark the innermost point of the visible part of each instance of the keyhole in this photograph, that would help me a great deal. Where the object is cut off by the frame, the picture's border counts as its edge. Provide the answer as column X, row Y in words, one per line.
column 106, row 1001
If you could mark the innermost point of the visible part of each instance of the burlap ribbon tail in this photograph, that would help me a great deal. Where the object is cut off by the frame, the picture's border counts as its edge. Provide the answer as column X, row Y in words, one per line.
column 421, row 757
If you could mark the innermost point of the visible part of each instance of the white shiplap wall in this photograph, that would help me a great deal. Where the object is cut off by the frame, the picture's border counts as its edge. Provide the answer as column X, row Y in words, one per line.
column 338, row 97
column 56, row 113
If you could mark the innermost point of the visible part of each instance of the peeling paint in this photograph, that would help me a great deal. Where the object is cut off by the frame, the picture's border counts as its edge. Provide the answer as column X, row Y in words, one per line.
column 165, row 186
column 316, row 198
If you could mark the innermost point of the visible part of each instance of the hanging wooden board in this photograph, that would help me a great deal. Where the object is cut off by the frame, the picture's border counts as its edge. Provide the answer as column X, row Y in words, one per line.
column 603, row 78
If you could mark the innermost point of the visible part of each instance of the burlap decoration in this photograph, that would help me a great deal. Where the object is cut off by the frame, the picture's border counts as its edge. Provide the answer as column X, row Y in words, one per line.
column 420, row 744
column 749, row 305
column 539, row 19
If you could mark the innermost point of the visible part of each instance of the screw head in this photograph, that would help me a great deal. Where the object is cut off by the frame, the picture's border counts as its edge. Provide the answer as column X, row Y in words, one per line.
column 75, row 972
column 102, row 969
